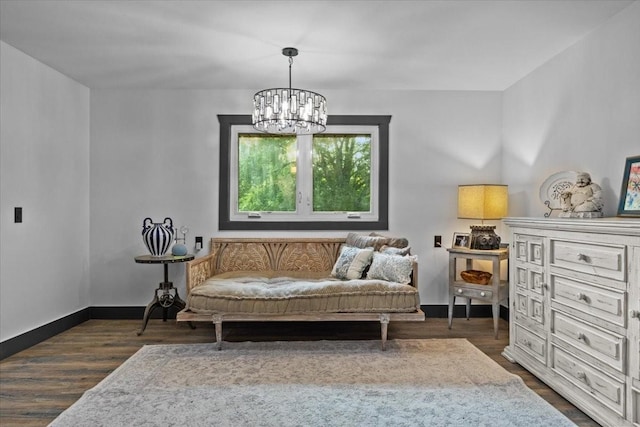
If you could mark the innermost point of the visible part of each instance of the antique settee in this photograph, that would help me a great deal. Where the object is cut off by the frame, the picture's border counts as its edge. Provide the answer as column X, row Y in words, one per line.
column 357, row 278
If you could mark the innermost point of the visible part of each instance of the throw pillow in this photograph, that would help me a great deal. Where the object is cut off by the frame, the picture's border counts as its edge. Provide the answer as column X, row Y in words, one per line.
column 362, row 241
column 351, row 262
column 390, row 250
column 391, row 267
column 396, row 242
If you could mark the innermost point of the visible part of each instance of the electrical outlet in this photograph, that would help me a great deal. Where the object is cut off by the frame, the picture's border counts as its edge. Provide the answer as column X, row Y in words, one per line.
column 198, row 243
column 17, row 215
column 437, row 241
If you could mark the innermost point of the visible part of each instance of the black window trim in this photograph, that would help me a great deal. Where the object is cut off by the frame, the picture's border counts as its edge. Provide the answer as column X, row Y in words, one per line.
column 229, row 120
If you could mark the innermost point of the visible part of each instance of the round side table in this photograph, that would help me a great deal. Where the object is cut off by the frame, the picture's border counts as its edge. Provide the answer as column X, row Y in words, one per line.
column 166, row 295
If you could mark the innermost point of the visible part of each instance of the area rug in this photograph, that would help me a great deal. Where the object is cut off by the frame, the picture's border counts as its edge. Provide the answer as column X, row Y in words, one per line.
column 434, row 382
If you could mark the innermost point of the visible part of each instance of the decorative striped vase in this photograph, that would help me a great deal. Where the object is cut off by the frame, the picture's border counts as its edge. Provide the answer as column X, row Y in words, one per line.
column 157, row 236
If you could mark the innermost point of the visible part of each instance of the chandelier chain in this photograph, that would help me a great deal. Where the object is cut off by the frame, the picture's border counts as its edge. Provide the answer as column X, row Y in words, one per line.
column 290, row 64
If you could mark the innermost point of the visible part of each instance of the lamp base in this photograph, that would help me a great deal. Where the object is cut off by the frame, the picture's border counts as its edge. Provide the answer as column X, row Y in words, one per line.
column 484, row 237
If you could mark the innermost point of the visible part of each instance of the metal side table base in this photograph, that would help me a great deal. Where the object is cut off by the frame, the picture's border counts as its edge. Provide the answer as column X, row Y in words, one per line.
column 165, row 295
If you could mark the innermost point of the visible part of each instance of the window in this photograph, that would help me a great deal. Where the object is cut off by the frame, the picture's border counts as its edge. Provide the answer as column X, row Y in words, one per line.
column 336, row 180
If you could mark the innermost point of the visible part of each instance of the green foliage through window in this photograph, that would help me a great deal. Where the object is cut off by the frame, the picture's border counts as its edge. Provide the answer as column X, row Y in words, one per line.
column 266, row 173
column 341, row 173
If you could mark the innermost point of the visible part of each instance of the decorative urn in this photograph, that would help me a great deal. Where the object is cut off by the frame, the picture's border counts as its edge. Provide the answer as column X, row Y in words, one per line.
column 157, row 236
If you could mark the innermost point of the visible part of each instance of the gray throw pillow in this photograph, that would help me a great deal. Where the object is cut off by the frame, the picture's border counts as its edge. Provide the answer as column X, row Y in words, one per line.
column 391, row 267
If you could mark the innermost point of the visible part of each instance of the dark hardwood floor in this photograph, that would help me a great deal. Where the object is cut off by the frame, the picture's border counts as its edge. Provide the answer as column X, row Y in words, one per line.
column 39, row 383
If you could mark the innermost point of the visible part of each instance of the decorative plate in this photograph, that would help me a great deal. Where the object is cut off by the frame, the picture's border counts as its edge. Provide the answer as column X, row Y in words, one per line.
column 553, row 186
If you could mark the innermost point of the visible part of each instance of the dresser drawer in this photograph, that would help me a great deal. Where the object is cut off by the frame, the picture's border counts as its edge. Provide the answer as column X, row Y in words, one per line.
column 603, row 345
column 591, row 258
column 473, row 293
column 592, row 300
column 531, row 344
column 604, row 388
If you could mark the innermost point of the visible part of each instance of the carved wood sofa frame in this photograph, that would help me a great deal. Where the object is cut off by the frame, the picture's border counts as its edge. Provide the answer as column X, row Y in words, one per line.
column 279, row 255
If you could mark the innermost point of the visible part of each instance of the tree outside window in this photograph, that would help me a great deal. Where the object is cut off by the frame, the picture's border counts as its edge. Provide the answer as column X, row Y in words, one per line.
column 342, row 173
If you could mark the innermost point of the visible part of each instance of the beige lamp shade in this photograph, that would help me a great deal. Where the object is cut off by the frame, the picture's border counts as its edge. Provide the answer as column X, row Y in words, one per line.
column 484, row 201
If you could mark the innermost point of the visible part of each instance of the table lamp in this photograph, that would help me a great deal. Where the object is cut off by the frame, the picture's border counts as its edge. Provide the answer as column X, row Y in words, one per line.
column 483, row 201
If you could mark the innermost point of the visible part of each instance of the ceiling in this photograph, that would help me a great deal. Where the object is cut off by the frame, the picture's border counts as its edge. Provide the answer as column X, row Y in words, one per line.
column 360, row 45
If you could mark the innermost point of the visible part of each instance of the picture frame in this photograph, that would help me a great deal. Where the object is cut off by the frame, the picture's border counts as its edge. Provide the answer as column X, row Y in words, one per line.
column 461, row 240
column 629, row 204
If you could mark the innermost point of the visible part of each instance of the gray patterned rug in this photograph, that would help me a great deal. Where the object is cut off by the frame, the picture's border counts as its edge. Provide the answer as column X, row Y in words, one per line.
column 433, row 382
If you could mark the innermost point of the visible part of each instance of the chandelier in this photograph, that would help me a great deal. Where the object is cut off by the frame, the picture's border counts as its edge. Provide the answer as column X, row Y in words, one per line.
column 289, row 110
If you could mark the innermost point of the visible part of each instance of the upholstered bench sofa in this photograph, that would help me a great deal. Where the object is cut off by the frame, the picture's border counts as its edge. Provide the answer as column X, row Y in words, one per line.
column 357, row 278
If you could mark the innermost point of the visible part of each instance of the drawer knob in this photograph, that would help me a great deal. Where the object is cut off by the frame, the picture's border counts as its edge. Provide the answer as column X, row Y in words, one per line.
column 459, row 291
column 544, row 286
column 581, row 297
column 526, row 343
column 581, row 375
column 483, row 294
column 581, row 336
column 634, row 314
column 583, row 257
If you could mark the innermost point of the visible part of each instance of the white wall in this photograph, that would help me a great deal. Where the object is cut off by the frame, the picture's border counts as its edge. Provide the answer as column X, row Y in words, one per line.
column 155, row 153
column 580, row 111
column 44, row 157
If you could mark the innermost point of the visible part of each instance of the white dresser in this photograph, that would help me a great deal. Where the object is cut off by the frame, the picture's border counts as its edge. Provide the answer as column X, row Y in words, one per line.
column 574, row 305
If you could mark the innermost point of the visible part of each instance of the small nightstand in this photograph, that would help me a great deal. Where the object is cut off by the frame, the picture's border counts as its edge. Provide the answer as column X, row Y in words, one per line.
column 495, row 291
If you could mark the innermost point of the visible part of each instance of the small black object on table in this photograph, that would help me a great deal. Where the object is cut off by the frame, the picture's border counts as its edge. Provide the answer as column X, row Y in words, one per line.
column 166, row 295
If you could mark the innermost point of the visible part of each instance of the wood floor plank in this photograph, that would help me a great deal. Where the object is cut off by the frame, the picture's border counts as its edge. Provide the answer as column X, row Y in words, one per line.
column 37, row 384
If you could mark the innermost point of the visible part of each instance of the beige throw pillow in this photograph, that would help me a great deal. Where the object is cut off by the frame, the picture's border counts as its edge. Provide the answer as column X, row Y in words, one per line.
column 351, row 262
column 362, row 241
column 396, row 242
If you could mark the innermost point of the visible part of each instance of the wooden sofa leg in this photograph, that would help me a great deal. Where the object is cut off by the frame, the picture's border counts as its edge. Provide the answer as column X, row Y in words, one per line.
column 384, row 323
column 217, row 321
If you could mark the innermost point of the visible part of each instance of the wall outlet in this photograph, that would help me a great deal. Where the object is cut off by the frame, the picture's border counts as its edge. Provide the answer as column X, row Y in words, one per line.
column 437, row 241
column 17, row 215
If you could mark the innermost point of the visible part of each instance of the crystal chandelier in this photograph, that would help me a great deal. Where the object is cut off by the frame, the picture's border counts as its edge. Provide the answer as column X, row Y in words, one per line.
column 289, row 110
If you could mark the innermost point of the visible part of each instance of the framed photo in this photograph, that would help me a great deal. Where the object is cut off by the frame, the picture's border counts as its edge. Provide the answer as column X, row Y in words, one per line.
column 630, row 192
column 461, row 240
